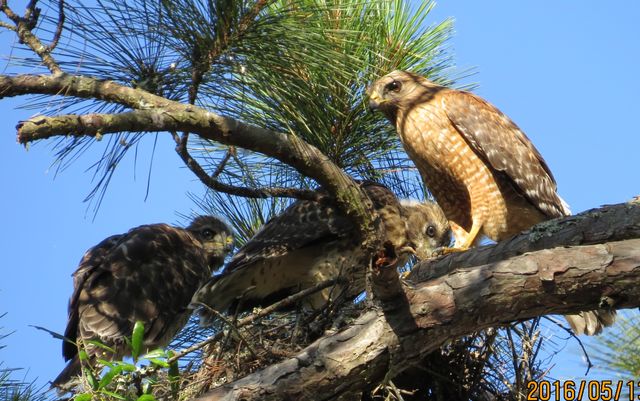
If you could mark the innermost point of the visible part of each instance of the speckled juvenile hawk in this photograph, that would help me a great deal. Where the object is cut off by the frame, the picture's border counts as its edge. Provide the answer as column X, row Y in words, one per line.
column 148, row 274
column 483, row 171
column 311, row 242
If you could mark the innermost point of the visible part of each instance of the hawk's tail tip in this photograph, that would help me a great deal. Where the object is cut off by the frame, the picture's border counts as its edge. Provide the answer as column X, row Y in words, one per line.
column 63, row 382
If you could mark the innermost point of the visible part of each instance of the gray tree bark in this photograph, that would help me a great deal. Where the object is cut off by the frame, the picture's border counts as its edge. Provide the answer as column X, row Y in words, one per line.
column 581, row 262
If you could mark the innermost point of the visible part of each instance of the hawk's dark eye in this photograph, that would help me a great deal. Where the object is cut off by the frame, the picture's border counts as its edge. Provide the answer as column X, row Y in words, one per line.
column 393, row 86
column 207, row 233
column 431, row 231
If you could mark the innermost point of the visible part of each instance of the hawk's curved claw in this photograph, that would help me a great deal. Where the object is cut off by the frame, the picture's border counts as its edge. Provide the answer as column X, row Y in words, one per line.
column 445, row 250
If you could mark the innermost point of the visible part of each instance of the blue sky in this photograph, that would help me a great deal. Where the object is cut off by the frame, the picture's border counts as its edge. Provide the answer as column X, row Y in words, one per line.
column 565, row 72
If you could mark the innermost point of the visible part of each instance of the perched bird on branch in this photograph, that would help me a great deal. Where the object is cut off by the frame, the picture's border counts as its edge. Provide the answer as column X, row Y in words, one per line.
column 311, row 242
column 148, row 274
column 483, row 171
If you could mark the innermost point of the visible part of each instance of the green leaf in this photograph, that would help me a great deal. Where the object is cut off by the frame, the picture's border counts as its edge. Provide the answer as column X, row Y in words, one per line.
column 159, row 362
column 83, row 397
column 156, row 353
column 128, row 367
column 112, row 394
column 108, row 377
column 174, row 377
column 146, row 397
column 101, row 345
column 91, row 378
column 136, row 339
column 105, row 363
column 82, row 355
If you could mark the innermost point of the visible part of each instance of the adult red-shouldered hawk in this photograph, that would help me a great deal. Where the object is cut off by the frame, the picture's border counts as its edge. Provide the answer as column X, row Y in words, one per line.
column 483, row 171
column 310, row 242
column 148, row 274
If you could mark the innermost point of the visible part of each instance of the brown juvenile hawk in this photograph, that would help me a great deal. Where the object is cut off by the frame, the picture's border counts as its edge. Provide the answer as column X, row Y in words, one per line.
column 310, row 242
column 483, row 171
column 148, row 274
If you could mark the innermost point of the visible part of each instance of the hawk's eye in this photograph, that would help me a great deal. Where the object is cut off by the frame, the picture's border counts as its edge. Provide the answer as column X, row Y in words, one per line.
column 431, row 231
column 207, row 233
column 393, row 86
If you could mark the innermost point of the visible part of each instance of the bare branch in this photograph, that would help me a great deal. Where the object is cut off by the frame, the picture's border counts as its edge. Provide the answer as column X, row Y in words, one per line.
column 202, row 59
column 24, row 26
column 96, row 125
column 459, row 300
column 7, row 26
column 4, row 7
column 212, row 182
column 30, row 10
column 59, row 27
column 233, row 327
column 223, row 162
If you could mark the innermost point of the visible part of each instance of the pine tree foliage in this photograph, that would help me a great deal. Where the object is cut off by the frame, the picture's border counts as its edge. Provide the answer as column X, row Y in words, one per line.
column 326, row 108
column 617, row 350
column 297, row 67
column 13, row 389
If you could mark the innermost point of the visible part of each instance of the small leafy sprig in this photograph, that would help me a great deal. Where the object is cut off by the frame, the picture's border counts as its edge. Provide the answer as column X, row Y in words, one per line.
column 125, row 380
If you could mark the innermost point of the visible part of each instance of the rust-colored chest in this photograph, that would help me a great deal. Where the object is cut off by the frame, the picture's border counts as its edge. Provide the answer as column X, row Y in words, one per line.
column 466, row 188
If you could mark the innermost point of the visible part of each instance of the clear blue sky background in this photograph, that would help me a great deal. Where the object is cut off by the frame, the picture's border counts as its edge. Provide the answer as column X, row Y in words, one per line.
column 566, row 72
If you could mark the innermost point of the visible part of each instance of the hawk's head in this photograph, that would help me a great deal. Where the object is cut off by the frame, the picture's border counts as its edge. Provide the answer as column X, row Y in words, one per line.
column 399, row 90
column 427, row 227
column 216, row 237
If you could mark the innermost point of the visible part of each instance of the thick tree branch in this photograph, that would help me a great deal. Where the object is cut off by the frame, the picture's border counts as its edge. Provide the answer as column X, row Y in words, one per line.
column 191, row 119
column 458, row 300
column 605, row 224
column 155, row 113
column 81, row 87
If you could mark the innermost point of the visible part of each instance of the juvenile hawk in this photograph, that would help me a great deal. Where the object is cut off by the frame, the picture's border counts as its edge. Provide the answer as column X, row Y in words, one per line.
column 481, row 168
column 310, row 242
column 148, row 274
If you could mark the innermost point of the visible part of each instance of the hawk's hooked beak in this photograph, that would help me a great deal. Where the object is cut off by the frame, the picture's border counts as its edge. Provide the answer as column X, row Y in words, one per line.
column 374, row 100
column 408, row 249
column 229, row 243
column 224, row 243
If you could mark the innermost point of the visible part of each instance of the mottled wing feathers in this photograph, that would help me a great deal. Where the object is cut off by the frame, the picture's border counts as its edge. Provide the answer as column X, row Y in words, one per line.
column 303, row 245
column 89, row 266
column 380, row 195
column 302, row 224
column 277, row 258
column 305, row 223
column 499, row 141
column 148, row 274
